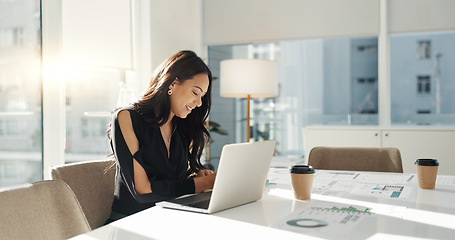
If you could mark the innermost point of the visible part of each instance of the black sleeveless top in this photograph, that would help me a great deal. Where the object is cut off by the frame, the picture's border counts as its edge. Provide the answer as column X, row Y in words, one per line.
column 168, row 176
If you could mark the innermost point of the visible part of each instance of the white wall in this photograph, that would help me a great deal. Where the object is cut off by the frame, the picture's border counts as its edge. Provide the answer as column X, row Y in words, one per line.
column 421, row 15
column 239, row 21
column 175, row 25
column 98, row 33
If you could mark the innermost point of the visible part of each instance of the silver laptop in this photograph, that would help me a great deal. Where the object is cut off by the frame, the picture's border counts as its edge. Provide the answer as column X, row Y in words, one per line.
column 240, row 179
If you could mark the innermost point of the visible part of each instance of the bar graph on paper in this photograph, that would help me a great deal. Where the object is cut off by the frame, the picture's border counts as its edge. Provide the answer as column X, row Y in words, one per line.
column 324, row 218
column 350, row 209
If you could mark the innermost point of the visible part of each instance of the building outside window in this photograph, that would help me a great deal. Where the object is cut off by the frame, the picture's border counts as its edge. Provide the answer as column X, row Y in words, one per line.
column 422, row 92
column 91, row 95
column 20, row 93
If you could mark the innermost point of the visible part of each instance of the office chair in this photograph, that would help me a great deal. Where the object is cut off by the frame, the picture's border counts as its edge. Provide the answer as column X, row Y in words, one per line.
column 93, row 184
column 356, row 159
column 41, row 210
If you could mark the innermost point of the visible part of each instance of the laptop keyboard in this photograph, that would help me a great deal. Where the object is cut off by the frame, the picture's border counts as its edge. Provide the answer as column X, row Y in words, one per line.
column 202, row 204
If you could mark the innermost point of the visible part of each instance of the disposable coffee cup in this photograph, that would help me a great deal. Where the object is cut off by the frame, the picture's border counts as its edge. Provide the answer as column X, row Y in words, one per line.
column 427, row 170
column 302, row 181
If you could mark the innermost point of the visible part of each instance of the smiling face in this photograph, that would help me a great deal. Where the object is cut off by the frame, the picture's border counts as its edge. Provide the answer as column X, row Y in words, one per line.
column 188, row 95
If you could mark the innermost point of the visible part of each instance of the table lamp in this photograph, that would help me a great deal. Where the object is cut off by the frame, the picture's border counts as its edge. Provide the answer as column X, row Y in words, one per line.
column 248, row 78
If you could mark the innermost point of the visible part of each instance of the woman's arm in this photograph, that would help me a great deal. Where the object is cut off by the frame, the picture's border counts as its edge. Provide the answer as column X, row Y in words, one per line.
column 203, row 181
column 141, row 181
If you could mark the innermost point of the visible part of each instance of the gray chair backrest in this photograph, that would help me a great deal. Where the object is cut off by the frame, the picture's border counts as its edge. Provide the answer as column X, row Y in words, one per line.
column 356, row 159
column 93, row 184
column 42, row 210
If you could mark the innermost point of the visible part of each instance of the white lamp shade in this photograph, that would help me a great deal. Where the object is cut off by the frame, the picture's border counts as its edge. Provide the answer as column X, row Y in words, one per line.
column 243, row 77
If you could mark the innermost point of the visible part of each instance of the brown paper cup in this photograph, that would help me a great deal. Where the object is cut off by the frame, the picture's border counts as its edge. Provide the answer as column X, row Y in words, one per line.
column 302, row 181
column 427, row 171
column 426, row 176
column 302, row 185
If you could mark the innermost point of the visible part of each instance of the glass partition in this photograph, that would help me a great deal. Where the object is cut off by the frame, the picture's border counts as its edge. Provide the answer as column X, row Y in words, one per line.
column 321, row 81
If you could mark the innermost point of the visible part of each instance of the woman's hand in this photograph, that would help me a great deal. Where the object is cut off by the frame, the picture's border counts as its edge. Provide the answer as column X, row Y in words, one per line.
column 204, row 180
column 204, row 172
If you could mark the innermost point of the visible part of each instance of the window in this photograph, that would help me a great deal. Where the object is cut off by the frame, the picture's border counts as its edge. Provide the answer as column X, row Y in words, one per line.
column 370, row 80
column 91, row 94
column 424, row 49
column 423, row 84
column 367, row 48
column 335, row 82
column 20, row 93
column 18, row 36
column 321, row 81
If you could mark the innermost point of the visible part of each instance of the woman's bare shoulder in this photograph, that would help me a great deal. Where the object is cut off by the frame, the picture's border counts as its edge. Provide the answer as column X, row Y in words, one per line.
column 124, row 119
column 123, row 114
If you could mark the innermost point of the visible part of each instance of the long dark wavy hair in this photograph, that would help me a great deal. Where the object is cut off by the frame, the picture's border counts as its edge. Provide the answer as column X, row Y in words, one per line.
column 154, row 106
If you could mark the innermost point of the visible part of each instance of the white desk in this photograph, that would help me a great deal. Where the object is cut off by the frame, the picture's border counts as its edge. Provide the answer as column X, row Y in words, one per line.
column 416, row 213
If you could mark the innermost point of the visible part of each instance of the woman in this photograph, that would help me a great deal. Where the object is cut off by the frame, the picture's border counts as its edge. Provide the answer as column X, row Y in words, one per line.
column 158, row 140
